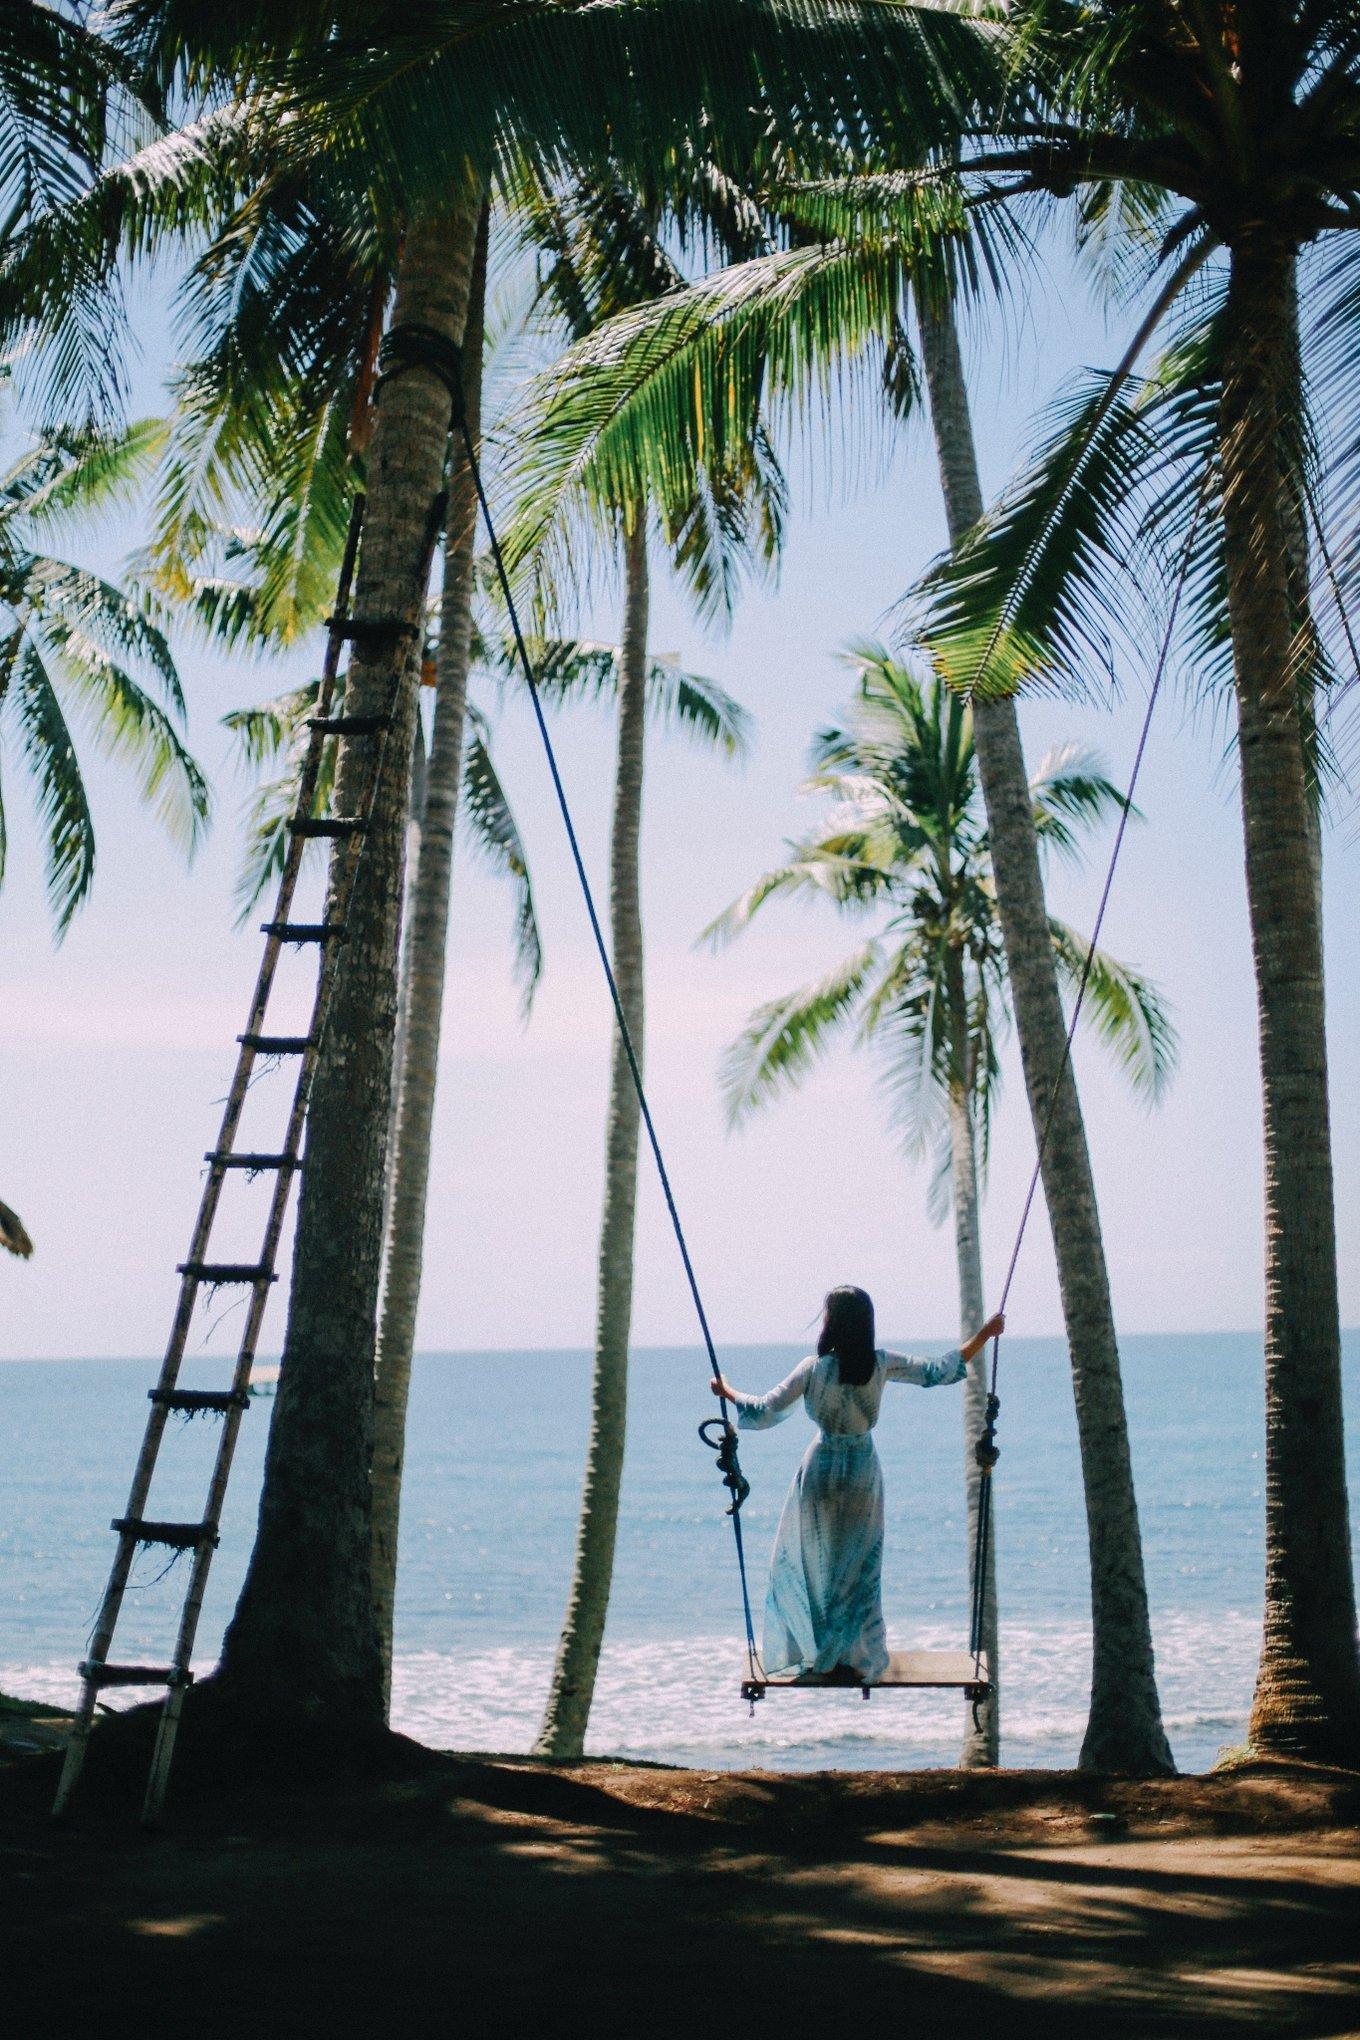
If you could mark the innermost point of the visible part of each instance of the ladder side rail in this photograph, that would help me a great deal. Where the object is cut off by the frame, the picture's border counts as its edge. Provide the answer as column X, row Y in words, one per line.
column 240, row 1083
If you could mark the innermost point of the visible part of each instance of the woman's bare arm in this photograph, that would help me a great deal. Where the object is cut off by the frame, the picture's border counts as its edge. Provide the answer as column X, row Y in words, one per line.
column 993, row 1329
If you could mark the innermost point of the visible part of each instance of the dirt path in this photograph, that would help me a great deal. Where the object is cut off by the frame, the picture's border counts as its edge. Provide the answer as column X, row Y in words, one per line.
column 522, row 1899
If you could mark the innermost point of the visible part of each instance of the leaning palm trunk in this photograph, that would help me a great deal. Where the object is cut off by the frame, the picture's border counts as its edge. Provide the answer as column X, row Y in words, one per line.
column 303, row 1638
column 423, row 972
column 1307, row 1700
column 1124, row 1730
column 982, row 1729
column 578, row 1654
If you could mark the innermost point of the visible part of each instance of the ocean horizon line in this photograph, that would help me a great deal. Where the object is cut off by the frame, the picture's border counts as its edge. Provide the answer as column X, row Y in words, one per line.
column 655, row 1346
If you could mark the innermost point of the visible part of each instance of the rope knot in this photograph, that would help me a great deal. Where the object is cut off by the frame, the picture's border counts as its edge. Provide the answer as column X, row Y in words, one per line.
column 986, row 1451
column 725, row 1445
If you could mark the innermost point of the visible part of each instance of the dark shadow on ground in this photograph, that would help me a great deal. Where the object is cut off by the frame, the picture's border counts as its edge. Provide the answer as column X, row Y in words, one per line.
column 305, row 1887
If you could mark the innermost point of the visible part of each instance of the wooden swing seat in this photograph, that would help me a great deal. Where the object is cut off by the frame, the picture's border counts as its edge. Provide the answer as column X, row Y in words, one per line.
column 957, row 1669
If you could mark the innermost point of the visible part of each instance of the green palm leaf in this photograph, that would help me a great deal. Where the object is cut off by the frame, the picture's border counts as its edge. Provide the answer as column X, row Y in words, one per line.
column 683, row 385
column 1072, row 794
column 1125, row 1009
column 491, row 827
column 783, row 1039
column 45, row 742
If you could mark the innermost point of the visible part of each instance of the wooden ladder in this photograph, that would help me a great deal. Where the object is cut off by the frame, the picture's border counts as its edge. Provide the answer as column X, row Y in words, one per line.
column 200, row 1271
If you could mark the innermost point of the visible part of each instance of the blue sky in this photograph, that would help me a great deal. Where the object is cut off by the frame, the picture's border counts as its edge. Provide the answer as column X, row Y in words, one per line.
column 115, row 1047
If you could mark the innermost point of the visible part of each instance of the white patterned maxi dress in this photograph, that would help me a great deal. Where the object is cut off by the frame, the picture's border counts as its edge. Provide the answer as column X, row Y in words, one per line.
column 824, row 1606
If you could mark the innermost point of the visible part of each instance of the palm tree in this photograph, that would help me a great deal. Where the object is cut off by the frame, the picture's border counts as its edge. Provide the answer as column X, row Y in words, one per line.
column 71, row 644
column 425, row 947
column 705, row 367
column 645, row 689
column 599, row 251
column 1124, row 1729
column 907, row 839
column 317, row 1492
column 1221, row 144
column 407, row 135
column 573, row 1679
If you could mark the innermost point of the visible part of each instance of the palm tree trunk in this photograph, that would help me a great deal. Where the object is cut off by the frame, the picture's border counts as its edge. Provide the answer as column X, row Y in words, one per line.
column 1307, row 1700
column 1124, row 1729
column 414, row 823
column 982, row 1725
column 578, row 1654
column 303, row 1638
column 423, row 965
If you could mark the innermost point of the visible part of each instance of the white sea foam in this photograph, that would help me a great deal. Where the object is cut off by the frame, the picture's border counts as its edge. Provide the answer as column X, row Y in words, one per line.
column 677, row 1701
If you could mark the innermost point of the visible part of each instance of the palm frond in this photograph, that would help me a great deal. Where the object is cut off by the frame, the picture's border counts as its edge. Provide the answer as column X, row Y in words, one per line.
column 906, row 1021
column 491, row 826
column 644, row 84
column 569, row 670
column 1125, row 1009
column 68, row 474
column 699, row 707
column 63, row 809
column 784, row 1038
column 816, row 868
column 265, row 732
column 684, row 385
column 69, row 604
column 1031, row 595
column 131, row 728
column 1072, row 794
column 13, row 1236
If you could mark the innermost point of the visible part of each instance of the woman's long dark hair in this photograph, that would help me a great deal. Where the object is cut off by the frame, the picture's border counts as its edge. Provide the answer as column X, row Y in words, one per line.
column 848, row 1332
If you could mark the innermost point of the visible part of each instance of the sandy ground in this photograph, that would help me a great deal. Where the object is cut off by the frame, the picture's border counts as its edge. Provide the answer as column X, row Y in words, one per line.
column 424, row 1894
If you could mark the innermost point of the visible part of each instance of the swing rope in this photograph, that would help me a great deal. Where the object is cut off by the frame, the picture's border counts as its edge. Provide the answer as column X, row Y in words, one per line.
column 985, row 1451
column 725, row 1441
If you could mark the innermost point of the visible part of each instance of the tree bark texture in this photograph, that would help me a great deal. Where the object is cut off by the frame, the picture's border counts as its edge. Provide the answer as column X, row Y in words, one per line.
column 982, row 1725
column 1307, row 1699
column 414, row 822
column 578, row 1656
column 303, row 1638
column 423, row 972
column 1124, row 1730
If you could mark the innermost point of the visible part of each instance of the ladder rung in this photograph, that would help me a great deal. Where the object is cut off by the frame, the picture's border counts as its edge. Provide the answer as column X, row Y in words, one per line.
column 216, row 1272
column 184, row 1536
column 349, row 725
column 276, row 1044
column 329, row 825
column 224, row 1158
column 369, row 630
column 305, row 931
column 218, row 1399
column 133, row 1675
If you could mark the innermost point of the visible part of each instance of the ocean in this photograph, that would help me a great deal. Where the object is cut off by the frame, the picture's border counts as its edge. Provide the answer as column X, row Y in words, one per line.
column 492, row 1486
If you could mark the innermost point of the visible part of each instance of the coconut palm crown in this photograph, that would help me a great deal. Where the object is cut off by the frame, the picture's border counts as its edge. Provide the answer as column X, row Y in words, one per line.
column 907, row 843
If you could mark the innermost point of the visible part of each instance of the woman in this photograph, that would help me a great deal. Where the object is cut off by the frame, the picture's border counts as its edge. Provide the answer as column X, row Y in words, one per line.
column 823, row 1611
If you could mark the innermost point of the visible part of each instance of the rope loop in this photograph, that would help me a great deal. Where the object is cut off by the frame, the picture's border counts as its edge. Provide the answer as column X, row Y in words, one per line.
column 725, row 1445
column 412, row 345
